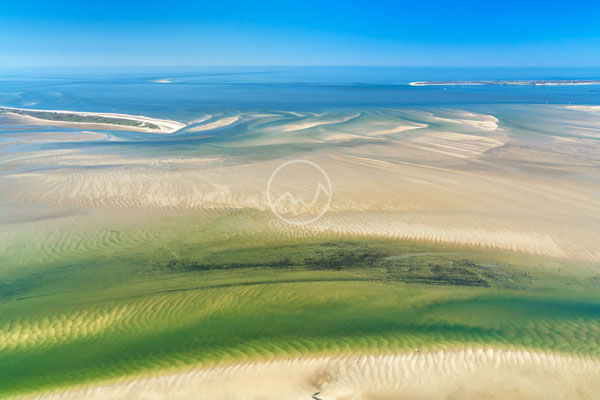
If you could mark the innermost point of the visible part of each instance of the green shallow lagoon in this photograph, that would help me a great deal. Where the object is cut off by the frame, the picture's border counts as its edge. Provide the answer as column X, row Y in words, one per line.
column 198, row 292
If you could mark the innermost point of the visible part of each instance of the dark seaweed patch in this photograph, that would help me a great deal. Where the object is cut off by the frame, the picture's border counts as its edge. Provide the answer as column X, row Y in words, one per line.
column 424, row 269
column 340, row 259
column 456, row 273
column 434, row 274
column 189, row 265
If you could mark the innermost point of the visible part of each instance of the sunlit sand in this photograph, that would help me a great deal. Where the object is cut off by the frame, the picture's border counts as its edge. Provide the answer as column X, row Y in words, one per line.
column 468, row 374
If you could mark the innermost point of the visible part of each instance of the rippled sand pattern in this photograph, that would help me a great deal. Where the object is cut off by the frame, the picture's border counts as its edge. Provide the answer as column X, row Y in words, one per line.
column 219, row 319
column 441, row 162
column 472, row 373
column 459, row 252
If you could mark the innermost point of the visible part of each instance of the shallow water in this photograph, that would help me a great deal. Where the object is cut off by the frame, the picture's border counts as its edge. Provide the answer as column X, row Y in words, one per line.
column 461, row 216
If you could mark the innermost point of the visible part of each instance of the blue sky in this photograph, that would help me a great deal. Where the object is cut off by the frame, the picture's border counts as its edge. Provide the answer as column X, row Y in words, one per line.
column 177, row 33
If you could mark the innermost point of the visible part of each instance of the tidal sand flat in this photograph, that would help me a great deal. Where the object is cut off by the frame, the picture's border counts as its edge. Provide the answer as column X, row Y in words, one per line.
column 447, row 176
column 456, row 258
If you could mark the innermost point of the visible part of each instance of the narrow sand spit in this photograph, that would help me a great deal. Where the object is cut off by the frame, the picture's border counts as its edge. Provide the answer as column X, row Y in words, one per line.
column 584, row 108
column 311, row 123
column 397, row 129
column 164, row 126
column 458, row 374
column 479, row 121
column 346, row 136
column 215, row 124
column 512, row 83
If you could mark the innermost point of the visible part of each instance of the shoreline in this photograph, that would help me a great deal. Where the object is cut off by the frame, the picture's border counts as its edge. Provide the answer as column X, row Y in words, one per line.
column 163, row 126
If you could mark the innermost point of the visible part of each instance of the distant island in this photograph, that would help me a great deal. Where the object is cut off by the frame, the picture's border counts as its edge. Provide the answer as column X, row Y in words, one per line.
column 145, row 123
column 509, row 82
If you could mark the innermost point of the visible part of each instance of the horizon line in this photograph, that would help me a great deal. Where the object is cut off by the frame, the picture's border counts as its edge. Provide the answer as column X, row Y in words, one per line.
column 298, row 66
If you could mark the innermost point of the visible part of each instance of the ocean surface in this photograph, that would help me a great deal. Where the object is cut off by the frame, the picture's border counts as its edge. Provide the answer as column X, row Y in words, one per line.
column 184, row 93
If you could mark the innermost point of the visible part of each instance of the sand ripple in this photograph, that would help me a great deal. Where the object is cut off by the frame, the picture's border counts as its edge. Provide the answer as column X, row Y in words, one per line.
column 469, row 373
column 450, row 176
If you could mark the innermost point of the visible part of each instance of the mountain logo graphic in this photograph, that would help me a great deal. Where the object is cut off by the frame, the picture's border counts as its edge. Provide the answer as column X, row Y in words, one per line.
column 299, row 192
